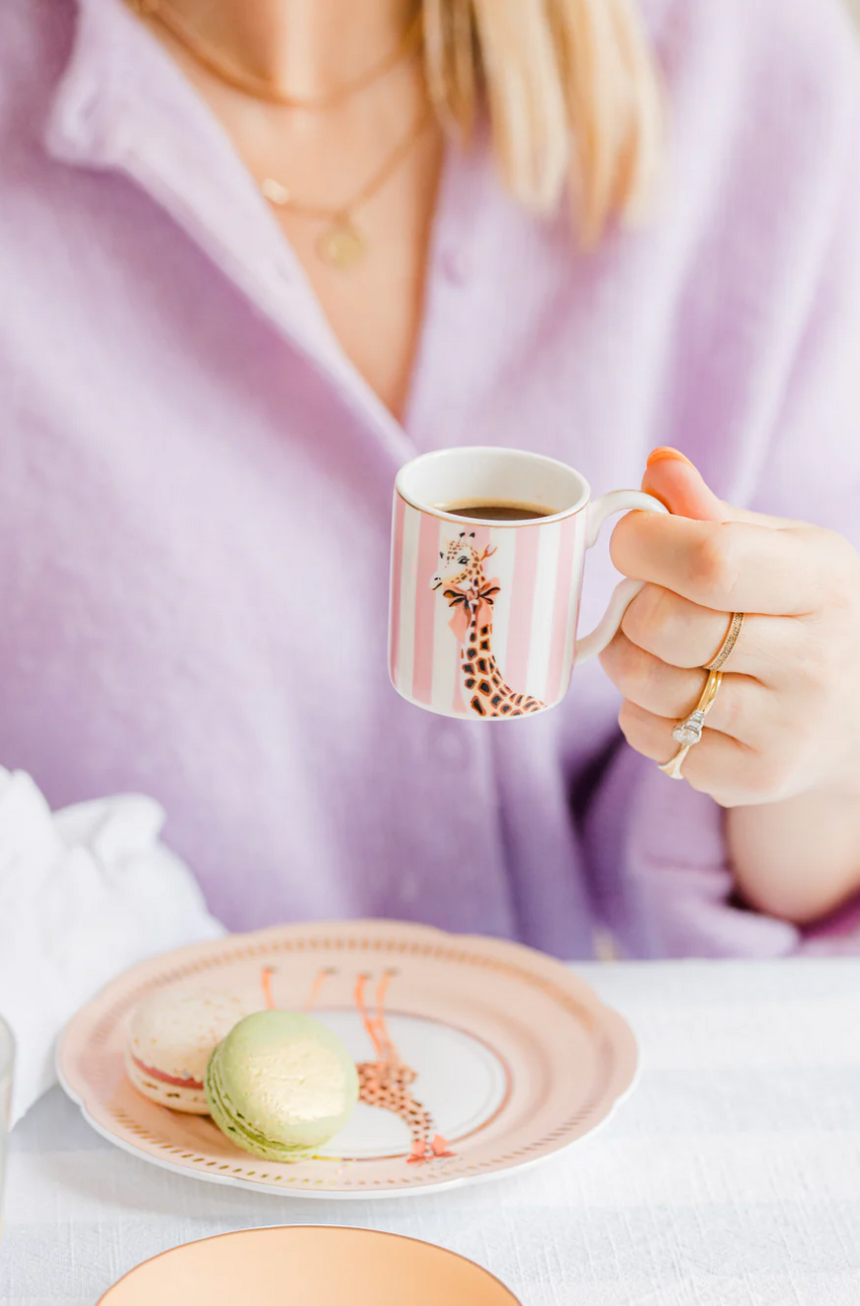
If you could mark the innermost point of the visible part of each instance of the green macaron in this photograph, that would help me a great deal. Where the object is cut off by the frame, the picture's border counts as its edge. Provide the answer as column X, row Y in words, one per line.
column 280, row 1085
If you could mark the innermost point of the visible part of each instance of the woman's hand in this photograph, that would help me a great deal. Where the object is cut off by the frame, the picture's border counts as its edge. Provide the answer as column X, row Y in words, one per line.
column 786, row 720
column 781, row 745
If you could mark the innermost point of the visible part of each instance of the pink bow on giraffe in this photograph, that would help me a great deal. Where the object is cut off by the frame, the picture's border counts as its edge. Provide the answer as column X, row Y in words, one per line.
column 460, row 601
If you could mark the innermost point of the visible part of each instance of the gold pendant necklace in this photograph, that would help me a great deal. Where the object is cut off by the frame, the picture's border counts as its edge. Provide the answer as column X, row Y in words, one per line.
column 342, row 244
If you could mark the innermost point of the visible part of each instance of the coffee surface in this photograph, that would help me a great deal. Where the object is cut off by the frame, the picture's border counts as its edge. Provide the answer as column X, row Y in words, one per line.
column 497, row 511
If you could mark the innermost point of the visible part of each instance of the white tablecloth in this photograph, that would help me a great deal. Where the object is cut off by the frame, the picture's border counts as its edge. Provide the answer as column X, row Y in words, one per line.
column 730, row 1178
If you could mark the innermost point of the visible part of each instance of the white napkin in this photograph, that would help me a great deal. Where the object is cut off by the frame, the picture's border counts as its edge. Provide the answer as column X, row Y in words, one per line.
column 84, row 893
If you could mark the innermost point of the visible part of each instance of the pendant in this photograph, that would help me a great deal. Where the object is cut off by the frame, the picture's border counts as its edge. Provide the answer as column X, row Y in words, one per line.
column 341, row 245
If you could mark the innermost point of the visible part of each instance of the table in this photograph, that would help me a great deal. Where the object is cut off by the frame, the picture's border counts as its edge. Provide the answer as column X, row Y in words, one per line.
column 730, row 1178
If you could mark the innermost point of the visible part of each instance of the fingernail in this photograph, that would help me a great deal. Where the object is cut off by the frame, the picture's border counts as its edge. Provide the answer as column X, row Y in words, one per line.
column 658, row 455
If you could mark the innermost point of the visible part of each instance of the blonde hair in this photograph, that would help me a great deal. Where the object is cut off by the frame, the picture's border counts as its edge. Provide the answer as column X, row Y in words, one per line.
column 573, row 94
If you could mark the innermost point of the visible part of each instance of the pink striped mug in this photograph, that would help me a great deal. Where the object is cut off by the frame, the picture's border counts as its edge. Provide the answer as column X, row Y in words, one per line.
column 483, row 613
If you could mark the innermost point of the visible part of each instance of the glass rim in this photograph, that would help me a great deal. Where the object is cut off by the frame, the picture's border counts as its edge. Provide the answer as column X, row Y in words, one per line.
column 7, row 1047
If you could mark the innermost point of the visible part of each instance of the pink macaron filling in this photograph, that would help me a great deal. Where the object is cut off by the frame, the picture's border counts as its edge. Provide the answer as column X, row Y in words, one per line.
column 166, row 1079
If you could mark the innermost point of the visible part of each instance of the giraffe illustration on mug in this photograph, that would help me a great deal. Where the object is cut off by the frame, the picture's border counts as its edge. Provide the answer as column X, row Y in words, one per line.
column 385, row 1083
column 463, row 583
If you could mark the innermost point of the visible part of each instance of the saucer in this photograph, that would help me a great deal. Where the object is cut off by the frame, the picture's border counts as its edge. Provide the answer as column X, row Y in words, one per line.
column 513, row 1056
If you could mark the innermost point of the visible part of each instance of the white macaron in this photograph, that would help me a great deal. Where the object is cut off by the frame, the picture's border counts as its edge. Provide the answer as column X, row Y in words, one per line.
column 171, row 1037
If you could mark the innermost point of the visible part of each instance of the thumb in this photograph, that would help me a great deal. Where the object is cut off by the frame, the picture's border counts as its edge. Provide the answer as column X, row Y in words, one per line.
column 673, row 479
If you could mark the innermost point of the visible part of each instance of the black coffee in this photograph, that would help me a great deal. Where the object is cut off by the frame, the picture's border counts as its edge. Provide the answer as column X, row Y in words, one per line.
column 497, row 511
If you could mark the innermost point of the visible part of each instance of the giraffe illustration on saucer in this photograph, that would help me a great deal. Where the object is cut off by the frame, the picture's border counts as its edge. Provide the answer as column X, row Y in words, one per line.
column 385, row 1082
column 463, row 582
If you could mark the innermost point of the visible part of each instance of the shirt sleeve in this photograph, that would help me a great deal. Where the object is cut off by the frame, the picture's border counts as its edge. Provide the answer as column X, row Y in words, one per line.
column 84, row 893
column 657, row 847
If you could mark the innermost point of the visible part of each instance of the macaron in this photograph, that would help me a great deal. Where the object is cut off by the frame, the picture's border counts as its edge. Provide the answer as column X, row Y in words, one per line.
column 170, row 1040
column 280, row 1085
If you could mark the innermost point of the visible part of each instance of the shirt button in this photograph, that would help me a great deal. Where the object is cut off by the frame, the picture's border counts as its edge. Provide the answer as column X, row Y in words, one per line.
column 453, row 265
column 77, row 128
column 88, row 107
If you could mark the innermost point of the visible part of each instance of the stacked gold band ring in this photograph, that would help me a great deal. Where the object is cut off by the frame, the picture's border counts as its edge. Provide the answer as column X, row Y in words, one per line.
column 732, row 636
column 688, row 732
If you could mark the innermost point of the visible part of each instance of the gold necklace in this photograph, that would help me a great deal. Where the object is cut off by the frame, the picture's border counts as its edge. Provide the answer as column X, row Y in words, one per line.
column 258, row 87
column 342, row 244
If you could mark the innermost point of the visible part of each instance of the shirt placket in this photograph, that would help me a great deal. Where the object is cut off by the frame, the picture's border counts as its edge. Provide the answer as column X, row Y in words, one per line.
column 123, row 107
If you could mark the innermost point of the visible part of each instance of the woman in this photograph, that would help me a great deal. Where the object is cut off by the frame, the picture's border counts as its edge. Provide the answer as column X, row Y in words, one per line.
column 258, row 253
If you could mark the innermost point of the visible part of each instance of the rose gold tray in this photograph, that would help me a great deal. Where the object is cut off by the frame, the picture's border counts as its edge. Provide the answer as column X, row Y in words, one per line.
column 317, row 1266
column 514, row 1057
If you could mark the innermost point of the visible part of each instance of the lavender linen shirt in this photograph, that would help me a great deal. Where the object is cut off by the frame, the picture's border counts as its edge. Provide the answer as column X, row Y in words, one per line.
column 195, row 484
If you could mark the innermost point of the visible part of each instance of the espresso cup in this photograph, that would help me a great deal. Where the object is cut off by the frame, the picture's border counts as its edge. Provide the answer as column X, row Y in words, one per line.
column 483, row 614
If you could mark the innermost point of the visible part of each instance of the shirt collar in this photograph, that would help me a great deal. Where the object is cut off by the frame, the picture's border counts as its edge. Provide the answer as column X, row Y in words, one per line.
column 122, row 105
column 114, row 68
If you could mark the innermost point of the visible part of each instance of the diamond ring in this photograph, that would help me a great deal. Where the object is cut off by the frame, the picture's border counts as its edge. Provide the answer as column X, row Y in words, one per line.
column 688, row 732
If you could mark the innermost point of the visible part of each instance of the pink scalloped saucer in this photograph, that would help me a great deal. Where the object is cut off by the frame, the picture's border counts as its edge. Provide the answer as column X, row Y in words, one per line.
column 475, row 1056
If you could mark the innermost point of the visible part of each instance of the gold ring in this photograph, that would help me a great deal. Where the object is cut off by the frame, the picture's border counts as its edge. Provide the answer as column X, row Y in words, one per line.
column 732, row 636
column 689, row 731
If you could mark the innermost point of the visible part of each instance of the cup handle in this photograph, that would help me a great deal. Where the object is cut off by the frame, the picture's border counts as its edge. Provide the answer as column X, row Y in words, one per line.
column 626, row 590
